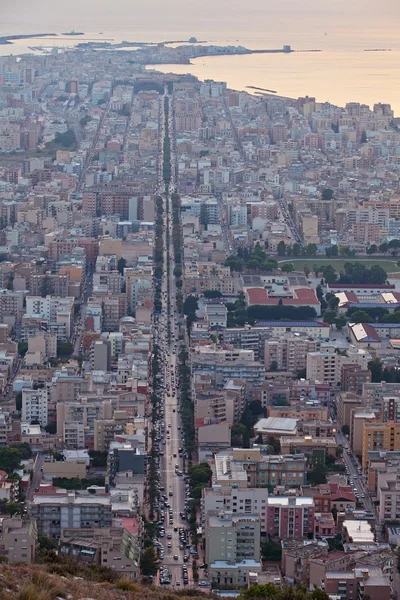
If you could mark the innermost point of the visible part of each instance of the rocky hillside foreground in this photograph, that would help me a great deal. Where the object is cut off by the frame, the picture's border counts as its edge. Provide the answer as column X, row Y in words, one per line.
column 56, row 582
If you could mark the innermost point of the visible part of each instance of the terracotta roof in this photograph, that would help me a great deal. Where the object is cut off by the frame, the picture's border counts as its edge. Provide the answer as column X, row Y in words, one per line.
column 361, row 286
column 302, row 297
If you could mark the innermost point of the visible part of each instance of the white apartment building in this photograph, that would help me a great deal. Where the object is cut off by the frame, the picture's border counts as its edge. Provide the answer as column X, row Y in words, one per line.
column 57, row 311
column 74, row 435
column 232, row 537
column 388, row 493
column 35, row 406
column 240, row 501
column 326, row 365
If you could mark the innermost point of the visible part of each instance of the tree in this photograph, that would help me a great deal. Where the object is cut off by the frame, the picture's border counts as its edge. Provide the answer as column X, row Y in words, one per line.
column 273, row 366
column 329, row 317
column 271, row 551
column 22, row 348
column 204, row 216
column 274, row 445
column 199, row 474
column 178, row 271
column 269, row 591
column 121, row 264
column 360, row 316
column 332, row 251
column 10, row 459
column 240, row 436
column 376, row 367
column 346, row 430
column 18, row 401
column 296, row 249
column 51, row 428
column 46, row 543
column 319, row 292
column 384, row 247
column 329, row 274
column 281, row 248
column 310, row 250
column 190, row 305
column 287, row 268
column 256, row 407
column 306, row 271
column 327, row 194
column 363, row 139
column 64, row 349
column 340, row 322
column 212, row 294
column 372, row 249
column 339, row 451
column 333, row 302
column 149, row 562
column 317, row 475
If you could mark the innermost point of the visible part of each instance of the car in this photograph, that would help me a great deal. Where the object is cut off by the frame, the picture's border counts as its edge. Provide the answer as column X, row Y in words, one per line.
column 170, row 494
column 178, row 583
column 175, row 557
column 169, row 545
column 169, row 537
column 203, row 584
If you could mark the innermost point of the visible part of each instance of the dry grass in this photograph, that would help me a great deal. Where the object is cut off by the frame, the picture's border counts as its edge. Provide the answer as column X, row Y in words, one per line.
column 35, row 582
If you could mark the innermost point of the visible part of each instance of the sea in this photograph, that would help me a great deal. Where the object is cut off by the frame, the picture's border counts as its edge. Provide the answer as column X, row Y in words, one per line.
column 341, row 29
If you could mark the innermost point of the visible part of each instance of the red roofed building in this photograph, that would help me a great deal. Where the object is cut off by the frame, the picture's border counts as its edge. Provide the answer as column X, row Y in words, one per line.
column 298, row 297
column 330, row 495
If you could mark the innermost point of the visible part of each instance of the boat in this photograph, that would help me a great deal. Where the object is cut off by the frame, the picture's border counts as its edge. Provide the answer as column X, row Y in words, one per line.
column 73, row 32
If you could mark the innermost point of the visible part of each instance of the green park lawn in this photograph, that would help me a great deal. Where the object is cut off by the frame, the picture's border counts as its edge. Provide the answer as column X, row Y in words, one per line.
column 338, row 263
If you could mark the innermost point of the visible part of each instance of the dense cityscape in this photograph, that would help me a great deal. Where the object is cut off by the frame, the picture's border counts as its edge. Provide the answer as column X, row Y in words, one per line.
column 199, row 329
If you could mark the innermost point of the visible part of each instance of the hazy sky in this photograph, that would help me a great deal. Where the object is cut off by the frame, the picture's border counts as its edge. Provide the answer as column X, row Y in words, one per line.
column 217, row 17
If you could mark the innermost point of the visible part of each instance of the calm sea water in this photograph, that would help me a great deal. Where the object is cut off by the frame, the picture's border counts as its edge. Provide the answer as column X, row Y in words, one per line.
column 342, row 29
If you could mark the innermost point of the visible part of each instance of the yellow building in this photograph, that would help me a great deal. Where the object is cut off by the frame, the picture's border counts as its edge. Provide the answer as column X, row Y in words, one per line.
column 380, row 436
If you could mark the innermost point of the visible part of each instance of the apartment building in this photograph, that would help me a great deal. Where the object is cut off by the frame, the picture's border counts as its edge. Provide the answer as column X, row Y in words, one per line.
column 53, row 513
column 106, row 429
column 85, row 410
column 117, row 547
column 380, row 461
column 373, row 393
column 123, row 458
column 361, row 583
column 314, row 449
column 388, row 494
column 303, row 410
column 290, row 517
column 297, row 556
column 73, row 435
column 289, row 352
column 18, row 539
column 35, row 406
column 58, row 313
column 223, row 366
column 238, row 501
column 380, row 436
column 327, row 365
column 354, row 377
column 252, row 468
column 11, row 306
column 232, row 537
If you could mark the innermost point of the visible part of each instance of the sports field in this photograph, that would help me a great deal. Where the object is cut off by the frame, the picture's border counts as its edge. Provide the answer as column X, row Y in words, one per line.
column 338, row 263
